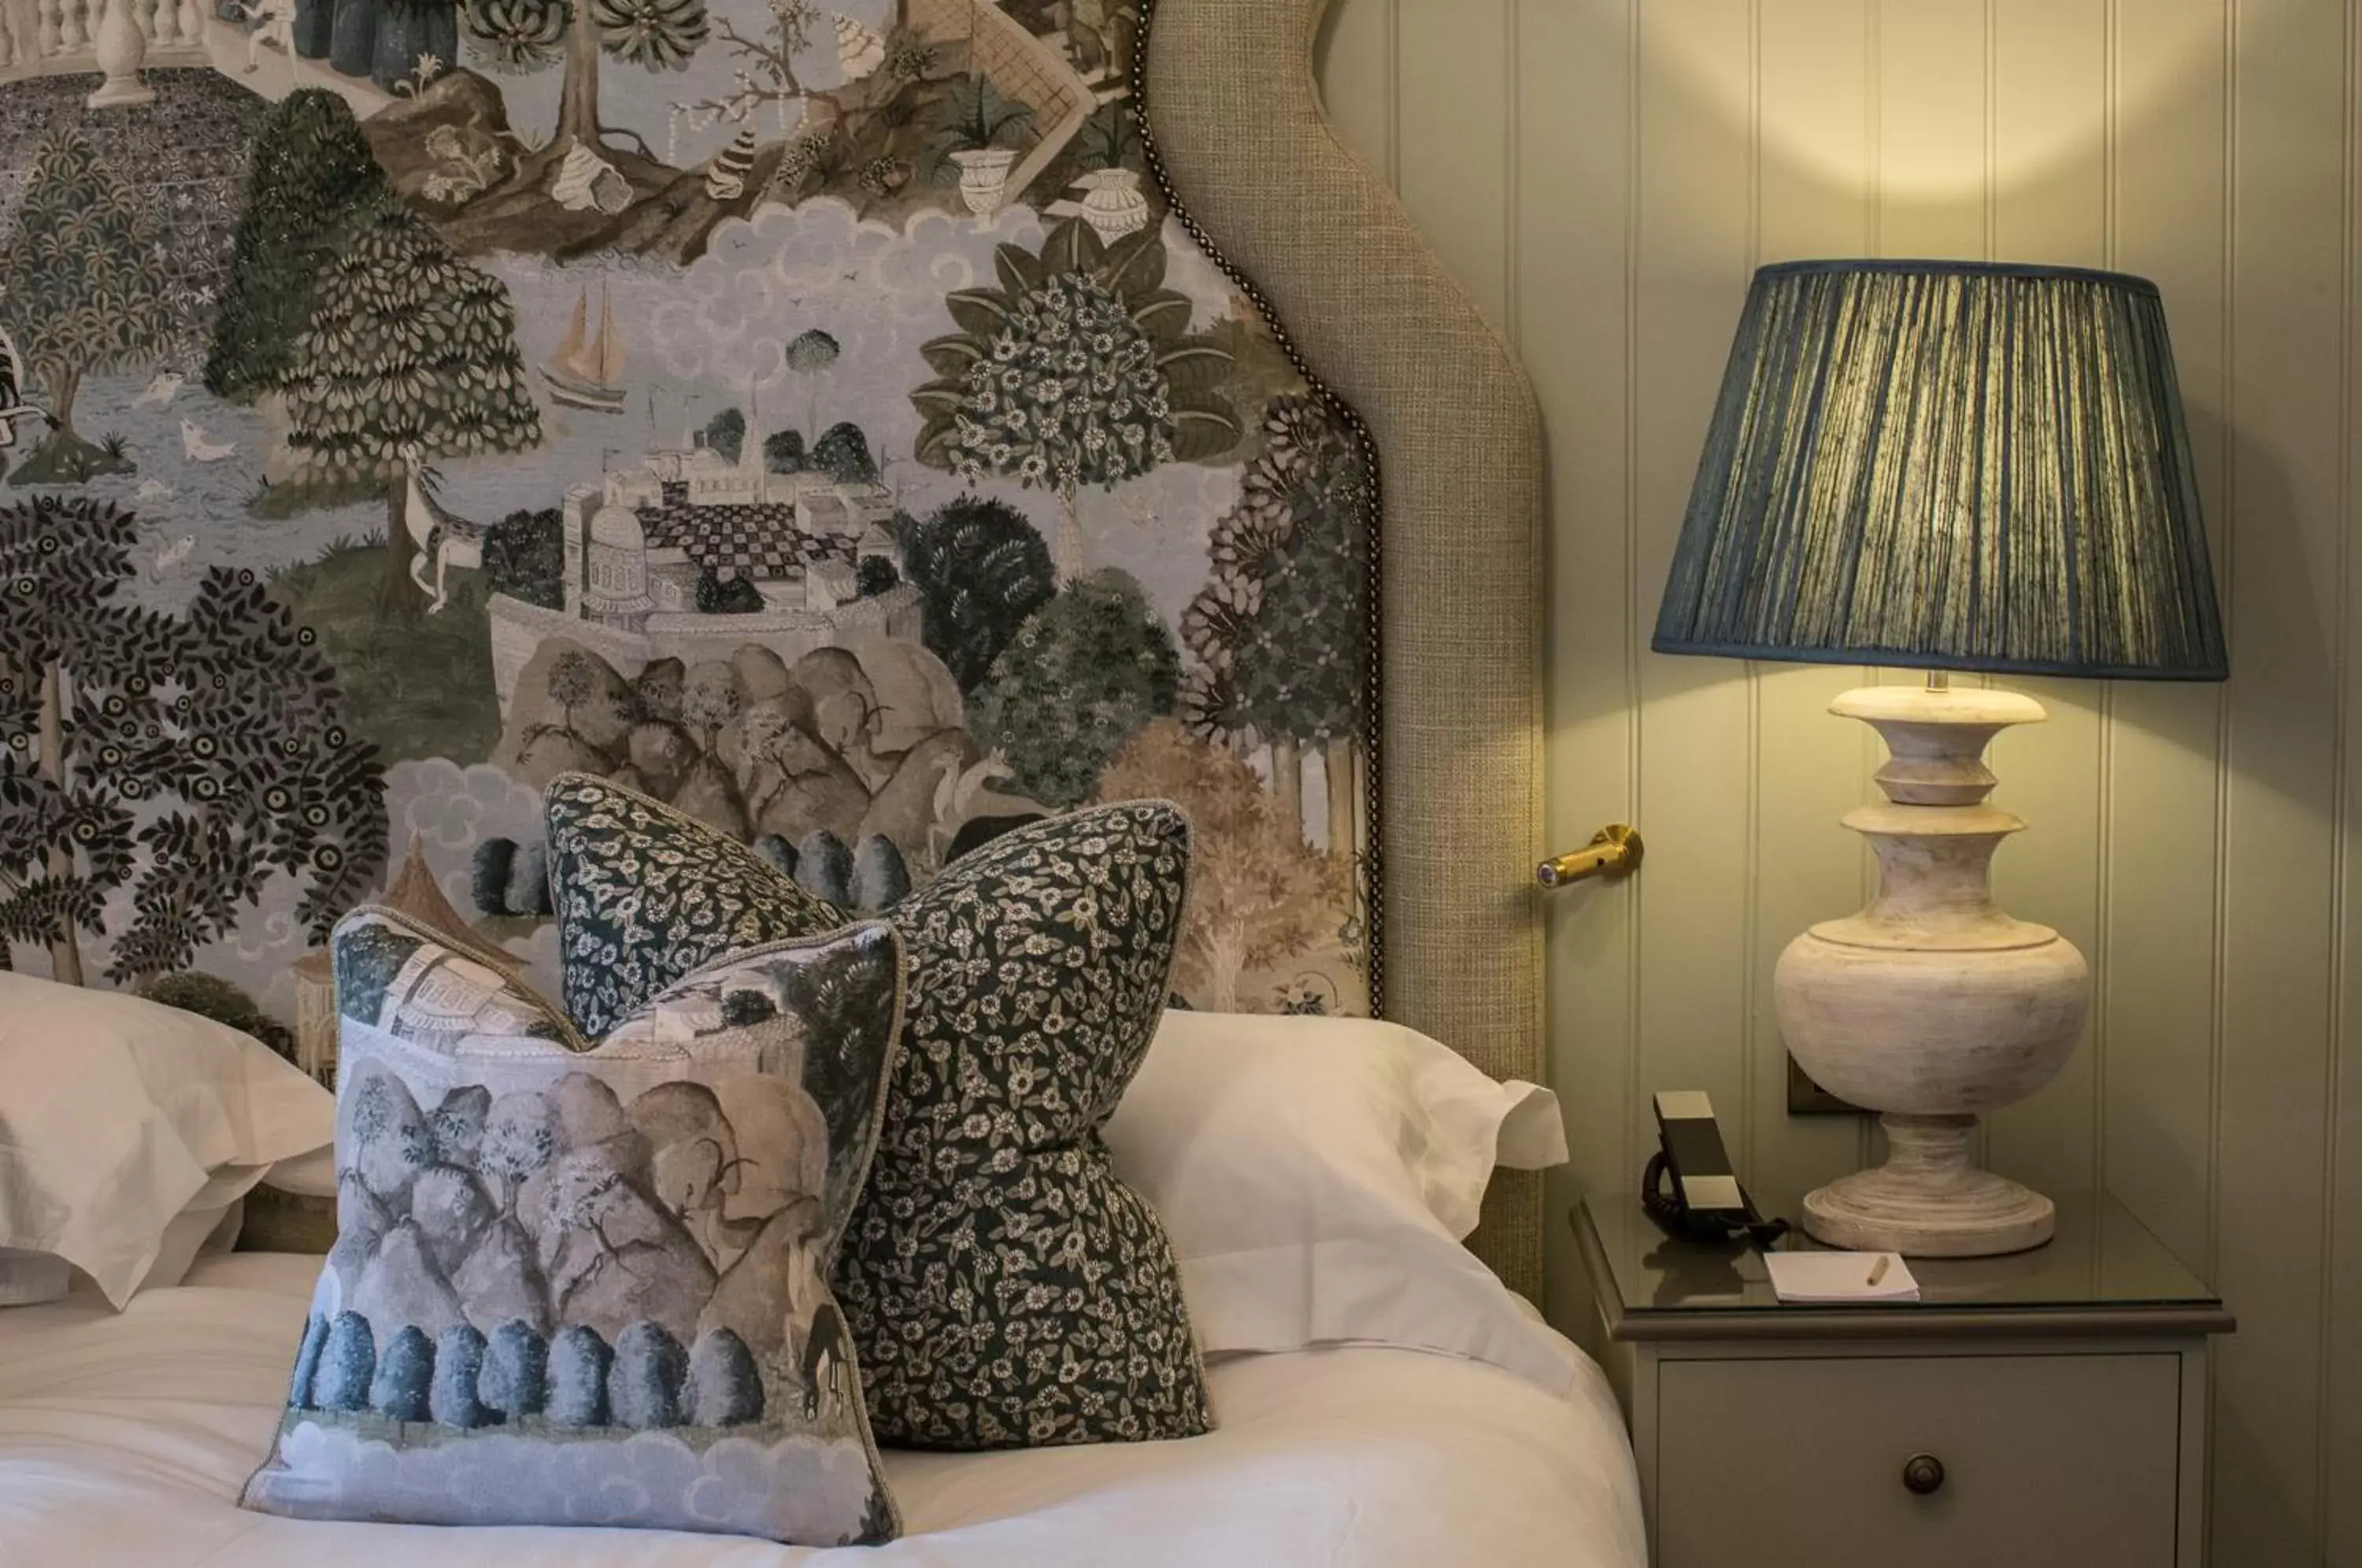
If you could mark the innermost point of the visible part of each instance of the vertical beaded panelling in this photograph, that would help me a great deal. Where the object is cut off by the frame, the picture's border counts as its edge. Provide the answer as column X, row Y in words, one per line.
column 1603, row 175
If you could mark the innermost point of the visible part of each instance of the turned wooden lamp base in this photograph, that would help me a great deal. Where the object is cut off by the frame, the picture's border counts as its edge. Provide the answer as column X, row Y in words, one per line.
column 1932, row 1005
column 1928, row 1201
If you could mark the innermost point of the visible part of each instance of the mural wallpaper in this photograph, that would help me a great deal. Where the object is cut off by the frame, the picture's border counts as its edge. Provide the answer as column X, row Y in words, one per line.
column 809, row 415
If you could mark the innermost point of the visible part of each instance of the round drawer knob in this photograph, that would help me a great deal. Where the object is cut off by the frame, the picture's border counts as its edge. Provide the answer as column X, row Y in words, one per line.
column 1923, row 1474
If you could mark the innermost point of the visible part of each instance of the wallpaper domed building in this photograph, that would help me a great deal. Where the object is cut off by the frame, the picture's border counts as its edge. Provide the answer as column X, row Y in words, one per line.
column 810, row 415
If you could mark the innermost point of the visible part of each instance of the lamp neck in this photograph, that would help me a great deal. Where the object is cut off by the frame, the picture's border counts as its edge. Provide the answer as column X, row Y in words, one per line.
column 1935, row 738
column 1933, row 835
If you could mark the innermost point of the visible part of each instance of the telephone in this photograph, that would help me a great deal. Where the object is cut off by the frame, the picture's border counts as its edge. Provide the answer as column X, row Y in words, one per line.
column 1705, row 1202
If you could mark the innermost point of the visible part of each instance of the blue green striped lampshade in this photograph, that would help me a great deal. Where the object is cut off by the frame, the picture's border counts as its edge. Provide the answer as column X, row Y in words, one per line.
column 1949, row 465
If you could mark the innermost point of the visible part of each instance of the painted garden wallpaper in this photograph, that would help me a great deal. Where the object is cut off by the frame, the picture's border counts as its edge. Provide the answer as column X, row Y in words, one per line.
column 806, row 413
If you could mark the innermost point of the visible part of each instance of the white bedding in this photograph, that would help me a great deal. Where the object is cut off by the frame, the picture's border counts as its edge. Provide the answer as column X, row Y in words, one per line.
column 125, row 1437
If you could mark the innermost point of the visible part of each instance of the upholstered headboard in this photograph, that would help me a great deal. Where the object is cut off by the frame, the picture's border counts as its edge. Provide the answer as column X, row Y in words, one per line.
column 1238, row 128
column 1242, row 142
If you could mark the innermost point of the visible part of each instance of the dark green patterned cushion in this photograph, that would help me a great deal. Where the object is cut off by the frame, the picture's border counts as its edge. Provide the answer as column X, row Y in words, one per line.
column 1003, row 1287
column 644, row 894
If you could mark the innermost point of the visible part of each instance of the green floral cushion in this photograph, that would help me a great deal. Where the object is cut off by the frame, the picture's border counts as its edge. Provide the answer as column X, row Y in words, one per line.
column 1003, row 1286
column 588, row 1284
column 644, row 894
column 1006, row 1289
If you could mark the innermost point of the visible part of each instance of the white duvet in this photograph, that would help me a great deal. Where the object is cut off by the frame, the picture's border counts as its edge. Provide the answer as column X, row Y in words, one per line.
column 125, row 1437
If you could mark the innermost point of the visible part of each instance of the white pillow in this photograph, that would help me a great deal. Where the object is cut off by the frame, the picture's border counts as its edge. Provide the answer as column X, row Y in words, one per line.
column 1316, row 1176
column 128, row 1129
column 312, row 1174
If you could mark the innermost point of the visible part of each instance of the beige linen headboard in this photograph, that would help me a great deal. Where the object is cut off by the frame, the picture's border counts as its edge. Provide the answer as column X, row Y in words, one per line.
column 1243, row 141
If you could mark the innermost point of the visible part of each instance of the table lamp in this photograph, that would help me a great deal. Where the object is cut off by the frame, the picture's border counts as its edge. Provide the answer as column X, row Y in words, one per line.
column 1945, row 465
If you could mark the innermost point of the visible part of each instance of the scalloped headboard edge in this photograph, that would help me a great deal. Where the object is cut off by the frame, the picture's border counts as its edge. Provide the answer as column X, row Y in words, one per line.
column 1244, row 141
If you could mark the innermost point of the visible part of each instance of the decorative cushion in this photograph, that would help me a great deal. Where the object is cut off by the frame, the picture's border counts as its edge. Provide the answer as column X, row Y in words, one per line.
column 588, row 1284
column 643, row 894
column 1007, row 1287
column 1003, row 1286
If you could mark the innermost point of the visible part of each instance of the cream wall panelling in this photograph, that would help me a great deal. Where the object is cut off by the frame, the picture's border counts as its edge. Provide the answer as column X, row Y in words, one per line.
column 1603, row 175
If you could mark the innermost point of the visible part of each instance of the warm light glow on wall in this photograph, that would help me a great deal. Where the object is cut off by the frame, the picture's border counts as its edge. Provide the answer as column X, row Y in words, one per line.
column 1801, row 132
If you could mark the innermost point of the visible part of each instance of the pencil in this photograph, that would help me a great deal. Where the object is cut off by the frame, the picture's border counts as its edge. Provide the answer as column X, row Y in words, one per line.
column 1877, row 1269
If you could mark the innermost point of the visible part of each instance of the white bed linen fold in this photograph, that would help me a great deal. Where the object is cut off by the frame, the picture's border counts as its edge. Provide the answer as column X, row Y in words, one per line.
column 124, row 1440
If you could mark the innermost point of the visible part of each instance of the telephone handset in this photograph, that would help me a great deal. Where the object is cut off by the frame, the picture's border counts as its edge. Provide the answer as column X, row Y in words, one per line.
column 1688, row 1187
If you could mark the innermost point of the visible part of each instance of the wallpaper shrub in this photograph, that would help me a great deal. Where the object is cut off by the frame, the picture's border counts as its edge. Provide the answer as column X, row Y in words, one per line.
column 809, row 415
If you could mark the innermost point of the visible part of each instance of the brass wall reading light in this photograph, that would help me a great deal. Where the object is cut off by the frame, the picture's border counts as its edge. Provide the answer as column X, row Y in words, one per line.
column 1613, row 851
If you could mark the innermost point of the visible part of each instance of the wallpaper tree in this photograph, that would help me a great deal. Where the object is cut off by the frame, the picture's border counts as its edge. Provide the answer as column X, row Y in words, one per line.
column 1279, row 632
column 523, row 36
column 768, row 77
column 515, row 37
column 524, row 556
column 809, row 356
column 352, row 35
column 312, row 168
column 1077, row 368
column 410, row 355
column 307, row 1362
column 181, row 759
column 210, row 996
column 726, row 433
column 843, row 454
column 783, row 451
column 85, row 283
column 1082, row 674
column 980, row 568
column 1258, row 894
column 725, row 1387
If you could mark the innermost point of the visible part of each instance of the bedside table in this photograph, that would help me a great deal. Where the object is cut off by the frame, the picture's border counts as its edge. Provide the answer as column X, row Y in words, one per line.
column 2047, row 1409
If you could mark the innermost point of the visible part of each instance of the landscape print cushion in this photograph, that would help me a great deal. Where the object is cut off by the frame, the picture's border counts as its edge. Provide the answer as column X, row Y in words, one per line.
column 588, row 1284
column 1004, row 1288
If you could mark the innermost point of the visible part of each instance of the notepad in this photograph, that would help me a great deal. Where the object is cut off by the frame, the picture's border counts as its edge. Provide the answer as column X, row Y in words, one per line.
column 1840, row 1277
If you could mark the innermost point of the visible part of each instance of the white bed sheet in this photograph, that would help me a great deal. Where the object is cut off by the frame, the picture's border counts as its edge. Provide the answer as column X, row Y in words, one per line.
column 124, row 1440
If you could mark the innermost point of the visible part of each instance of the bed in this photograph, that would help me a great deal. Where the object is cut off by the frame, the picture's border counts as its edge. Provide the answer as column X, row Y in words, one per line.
column 124, row 1439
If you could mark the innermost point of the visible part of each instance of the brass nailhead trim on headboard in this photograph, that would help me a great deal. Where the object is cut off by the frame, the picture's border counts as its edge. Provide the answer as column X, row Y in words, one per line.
column 1373, row 665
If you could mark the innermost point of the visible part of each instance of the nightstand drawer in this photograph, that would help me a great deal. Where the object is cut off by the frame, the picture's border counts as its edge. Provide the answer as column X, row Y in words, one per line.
column 2048, row 1461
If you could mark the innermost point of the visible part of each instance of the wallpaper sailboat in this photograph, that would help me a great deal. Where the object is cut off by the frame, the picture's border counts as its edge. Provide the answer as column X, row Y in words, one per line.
column 588, row 375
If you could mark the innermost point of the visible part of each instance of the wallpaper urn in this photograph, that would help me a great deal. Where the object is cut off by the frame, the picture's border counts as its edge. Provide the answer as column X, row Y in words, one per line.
column 1113, row 204
column 983, row 178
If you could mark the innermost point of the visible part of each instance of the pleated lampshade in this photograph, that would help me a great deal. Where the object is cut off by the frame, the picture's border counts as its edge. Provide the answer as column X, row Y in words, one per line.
column 1948, row 465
